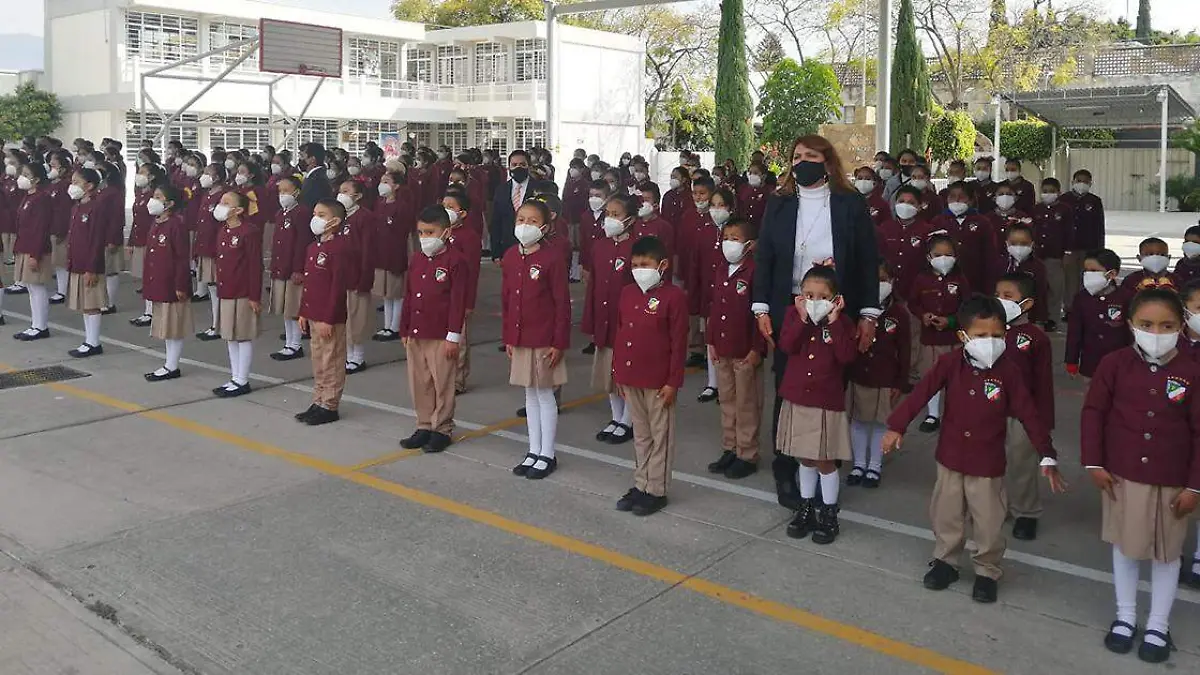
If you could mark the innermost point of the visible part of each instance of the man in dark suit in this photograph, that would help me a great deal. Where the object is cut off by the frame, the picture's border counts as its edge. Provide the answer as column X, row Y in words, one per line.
column 509, row 196
column 316, row 186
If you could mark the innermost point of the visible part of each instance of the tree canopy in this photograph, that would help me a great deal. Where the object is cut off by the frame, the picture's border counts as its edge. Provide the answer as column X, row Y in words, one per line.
column 29, row 111
column 796, row 100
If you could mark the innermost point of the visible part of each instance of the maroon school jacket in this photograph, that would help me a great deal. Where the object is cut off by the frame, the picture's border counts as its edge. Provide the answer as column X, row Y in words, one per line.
column 931, row 204
column 113, row 198
column 1089, row 221
column 1097, row 326
column 289, row 246
column 731, row 328
column 1032, row 267
column 752, row 203
column 1141, row 422
column 978, row 404
column 10, row 198
column 87, row 237
column 997, row 229
column 1186, row 270
column 1141, row 280
column 168, row 261
column 656, row 226
column 591, row 230
column 611, row 272
column 1025, row 191
column 651, row 342
column 686, row 236
column 903, row 246
column 941, row 296
column 674, row 203
column 33, row 225
column 395, row 223
column 469, row 245
column 239, row 262
column 435, row 297
column 205, row 225
column 984, row 195
column 575, row 196
column 360, row 228
column 329, row 268
column 707, row 258
column 142, row 220
column 879, row 208
column 1053, row 229
column 818, row 356
column 888, row 361
column 1188, row 348
column 1030, row 350
column 972, row 243
column 535, row 298
column 62, row 205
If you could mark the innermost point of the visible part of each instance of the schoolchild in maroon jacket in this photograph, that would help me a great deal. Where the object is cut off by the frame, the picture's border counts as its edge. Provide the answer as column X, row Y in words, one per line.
column 204, row 244
column 1188, row 267
column 148, row 177
column 736, row 349
column 1099, row 324
column 956, row 172
column 58, row 187
column 86, row 241
column 970, row 231
column 813, row 425
column 591, row 230
column 10, row 198
column 930, row 203
column 1189, row 348
column 473, row 218
column 469, row 245
column 1155, row 257
column 651, row 224
column 903, row 240
column 167, row 284
column 706, row 261
column 878, row 377
column 983, row 390
column 575, row 190
column 695, row 221
column 113, row 194
column 1089, row 229
column 1053, row 230
column 867, row 184
column 752, row 195
column 331, row 266
column 239, row 287
column 33, row 269
column 611, row 272
column 936, row 295
column 1140, row 443
column 396, row 220
column 536, row 311
column 678, row 198
column 647, row 367
column 1017, row 256
column 1004, row 215
column 359, row 226
column 289, row 249
column 1029, row 347
column 433, row 312
column 1024, row 191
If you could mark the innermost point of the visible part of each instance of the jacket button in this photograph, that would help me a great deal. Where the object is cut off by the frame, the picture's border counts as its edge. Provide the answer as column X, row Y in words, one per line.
column 1150, row 413
column 1147, row 436
column 1145, row 460
column 972, row 392
column 1153, row 369
column 967, row 434
column 418, row 295
column 628, row 344
column 1153, row 392
column 811, row 357
column 628, row 363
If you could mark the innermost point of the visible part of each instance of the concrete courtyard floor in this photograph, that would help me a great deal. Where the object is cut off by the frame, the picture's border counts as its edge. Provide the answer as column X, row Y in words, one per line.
column 155, row 529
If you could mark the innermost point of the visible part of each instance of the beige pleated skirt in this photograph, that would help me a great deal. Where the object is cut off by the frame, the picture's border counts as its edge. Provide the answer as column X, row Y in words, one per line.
column 388, row 286
column 359, row 310
column 238, row 322
column 137, row 262
column 206, row 270
column 58, row 253
column 84, row 298
column 171, row 320
column 114, row 259
column 868, row 404
column 24, row 273
column 1140, row 522
column 285, row 298
column 813, row 434
column 530, row 368
column 602, row 379
column 929, row 355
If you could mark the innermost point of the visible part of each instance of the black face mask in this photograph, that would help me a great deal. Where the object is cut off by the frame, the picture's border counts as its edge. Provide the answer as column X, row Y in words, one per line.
column 519, row 175
column 808, row 173
column 906, row 170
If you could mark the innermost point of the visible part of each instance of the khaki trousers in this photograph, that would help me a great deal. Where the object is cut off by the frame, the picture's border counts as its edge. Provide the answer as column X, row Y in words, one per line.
column 696, row 334
column 957, row 497
column 653, row 440
column 431, row 380
column 740, row 388
column 329, row 365
column 463, row 369
column 1054, row 288
column 1023, row 479
column 1072, row 276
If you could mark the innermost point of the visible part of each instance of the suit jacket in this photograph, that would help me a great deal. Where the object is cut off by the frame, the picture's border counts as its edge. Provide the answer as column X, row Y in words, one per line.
column 855, row 254
column 504, row 218
column 315, row 188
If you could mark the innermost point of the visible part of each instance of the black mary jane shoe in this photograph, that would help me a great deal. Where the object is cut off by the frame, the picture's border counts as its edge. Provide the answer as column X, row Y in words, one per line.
column 288, row 354
column 1117, row 643
column 107, row 311
column 201, row 298
column 57, row 299
column 1155, row 653
column 224, row 392
column 719, row 466
column 740, row 469
column 169, row 375
column 930, row 424
column 984, row 590
column 604, row 433
column 589, row 349
column 302, row 416
column 208, row 335
column 16, row 290
column 523, row 468
column 1186, row 575
column 353, row 367
column 386, row 335
column 141, row 321
column 707, row 395
column 855, row 477
column 871, row 479
column 617, row 439
column 92, row 350
column 696, row 360
column 535, row 473
column 418, row 439
column 940, row 575
column 25, row 336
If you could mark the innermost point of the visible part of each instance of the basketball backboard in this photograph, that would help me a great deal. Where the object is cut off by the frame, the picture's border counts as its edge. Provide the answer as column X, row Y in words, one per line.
column 292, row 48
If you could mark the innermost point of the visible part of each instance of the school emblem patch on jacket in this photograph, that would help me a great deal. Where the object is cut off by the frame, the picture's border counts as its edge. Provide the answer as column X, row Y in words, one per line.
column 162, row 239
column 952, row 289
column 652, row 306
column 535, row 272
column 992, row 390
column 890, row 325
column 234, row 241
column 1114, row 312
column 618, row 264
column 741, row 287
column 321, row 258
column 914, row 242
column 1023, row 342
column 826, row 336
column 440, row 274
column 1176, row 389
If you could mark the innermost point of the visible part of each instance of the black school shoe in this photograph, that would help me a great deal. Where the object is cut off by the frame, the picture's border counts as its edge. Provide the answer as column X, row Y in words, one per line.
column 931, row 424
column 24, row 336
column 618, row 438
column 804, row 521
column 707, row 395
column 630, row 498
column 984, row 590
column 240, row 390
column 726, row 459
column 58, row 299
column 1155, row 653
column 855, row 477
column 786, row 490
column 648, row 504
column 940, row 575
column 1025, row 529
column 208, row 335
column 535, row 473
column 418, row 439
column 1186, row 575
column 871, row 480
column 106, row 311
column 321, row 416
column 827, row 528
column 169, row 375
column 302, row 416
column 141, row 321
column 91, row 350
column 288, row 354
column 740, row 469
column 437, row 442
column 604, row 433
column 523, row 468
column 1117, row 643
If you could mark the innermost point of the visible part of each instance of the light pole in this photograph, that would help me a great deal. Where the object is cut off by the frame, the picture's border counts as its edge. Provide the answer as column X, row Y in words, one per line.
column 1163, row 100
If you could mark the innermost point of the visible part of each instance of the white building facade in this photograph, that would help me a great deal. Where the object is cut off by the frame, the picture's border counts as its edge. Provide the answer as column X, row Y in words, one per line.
column 482, row 86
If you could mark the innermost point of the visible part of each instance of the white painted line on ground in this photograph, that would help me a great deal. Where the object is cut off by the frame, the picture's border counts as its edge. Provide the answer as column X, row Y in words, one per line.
column 1041, row 562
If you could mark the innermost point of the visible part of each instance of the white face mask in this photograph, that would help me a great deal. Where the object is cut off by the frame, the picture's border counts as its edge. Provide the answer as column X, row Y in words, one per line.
column 983, row 174
column 241, row 179
column 528, row 234
column 877, row 165
column 317, row 225
column 943, row 263
column 452, row 215
column 596, row 175
column 1013, row 175
column 1020, row 253
column 954, row 178
column 1005, row 202
column 864, row 186
column 287, row 201
column 886, row 174
column 385, row 189
column 345, row 200
column 155, row 207
column 75, row 192
column 431, row 246
column 985, row 351
column 1049, row 197
column 733, row 251
column 140, row 181
column 818, row 309
column 595, row 203
column 354, row 170
column 1155, row 264
column 330, row 174
column 675, row 183
column 919, row 183
column 754, row 180
column 1094, row 282
column 573, row 173
column 645, row 210
column 52, row 174
column 178, row 161
column 906, row 211
column 221, row 213
column 1191, row 249
column 276, row 169
column 230, row 165
column 702, row 206
column 1155, row 345
column 1012, row 310
column 720, row 216
column 206, row 181
column 1082, row 188
column 1193, row 321
column 613, row 227
column 958, row 208
column 23, row 183
column 646, row 278
column 885, row 290
column 12, row 169
column 190, row 171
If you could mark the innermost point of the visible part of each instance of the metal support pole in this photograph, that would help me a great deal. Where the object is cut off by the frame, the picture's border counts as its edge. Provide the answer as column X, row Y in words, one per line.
column 1054, row 151
column 883, row 79
column 996, row 139
column 551, row 77
column 300, row 117
column 204, row 90
column 142, row 110
column 212, row 52
column 1164, row 100
column 862, row 99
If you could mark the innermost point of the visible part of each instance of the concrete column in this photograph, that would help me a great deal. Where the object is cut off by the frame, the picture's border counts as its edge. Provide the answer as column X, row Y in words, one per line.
column 883, row 80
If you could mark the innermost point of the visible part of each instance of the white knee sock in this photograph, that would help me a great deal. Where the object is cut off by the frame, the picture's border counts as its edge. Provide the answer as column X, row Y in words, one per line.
column 935, row 405
column 548, row 418
column 39, row 306
column 1164, row 581
column 394, row 325
column 110, row 283
column 174, row 351
column 860, row 439
column 245, row 355
column 148, row 309
column 626, row 415
column 616, row 405
column 235, row 354
column 61, row 275
column 712, row 374
column 387, row 313
column 356, row 354
column 807, row 477
column 830, row 484
column 91, row 329
column 533, row 419
column 875, row 463
column 215, row 306
column 291, row 333
column 1125, row 580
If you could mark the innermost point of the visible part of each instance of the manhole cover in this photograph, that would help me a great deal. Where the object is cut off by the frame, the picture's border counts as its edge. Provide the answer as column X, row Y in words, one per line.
column 36, row 376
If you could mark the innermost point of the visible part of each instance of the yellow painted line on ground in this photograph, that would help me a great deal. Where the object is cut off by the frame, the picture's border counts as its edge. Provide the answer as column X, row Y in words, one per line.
column 770, row 609
column 387, row 459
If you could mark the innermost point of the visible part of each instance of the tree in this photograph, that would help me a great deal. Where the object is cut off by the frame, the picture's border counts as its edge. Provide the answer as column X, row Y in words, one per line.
column 998, row 16
column 1143, row 20
column 796, row 100
column 792, row 18
column 690, row 120
column 770, row 53
column 954, row 28
column 910, row 85
column 735, row 109
column 846, row 34
column 952, row 136
column 455, row 13
column 29, row 111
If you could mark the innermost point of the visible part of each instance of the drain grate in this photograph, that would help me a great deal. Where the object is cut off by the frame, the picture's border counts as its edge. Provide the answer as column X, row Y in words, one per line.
column 35, row 376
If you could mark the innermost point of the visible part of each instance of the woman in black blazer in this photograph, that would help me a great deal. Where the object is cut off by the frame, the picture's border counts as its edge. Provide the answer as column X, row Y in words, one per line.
column 815, row 218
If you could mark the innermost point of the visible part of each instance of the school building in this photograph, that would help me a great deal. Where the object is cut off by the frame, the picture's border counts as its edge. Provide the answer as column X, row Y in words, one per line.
column 479, row 86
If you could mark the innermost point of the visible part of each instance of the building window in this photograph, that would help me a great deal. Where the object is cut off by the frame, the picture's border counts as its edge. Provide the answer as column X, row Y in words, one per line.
column 529, row 133
column 374, row 59
column 451, row 65
column 320, row 131
column 160, row 38
column 420, row 65
column 221, row 34
column 233, row 132
column 491, row 63
column 453, row 135
column 184, row 130
column 531, row 60
column 419, row 133
column 492, row 135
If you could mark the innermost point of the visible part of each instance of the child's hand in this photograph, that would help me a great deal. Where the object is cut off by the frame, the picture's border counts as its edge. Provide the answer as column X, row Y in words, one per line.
column 304, row 324
column 404, row 341
column 940, row 322
column 1185, row 503
column 1073, row 370
column 1058, row 484
column 255, row 306
column 927, row 318
column 712, row 354
column 450, row 350
column 298, row 278
column 838, row 305
column 801, row 308
column 1104, row 480
column 753, row 359
column 764, row 328
column 325, row 330
column 508, row 350
column 894, row 395
column 667, row 394
column 553, row 356
column 182, row 295
column 891, row 442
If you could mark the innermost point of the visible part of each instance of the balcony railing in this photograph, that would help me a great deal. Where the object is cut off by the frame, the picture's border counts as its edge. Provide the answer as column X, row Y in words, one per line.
column 498, row 92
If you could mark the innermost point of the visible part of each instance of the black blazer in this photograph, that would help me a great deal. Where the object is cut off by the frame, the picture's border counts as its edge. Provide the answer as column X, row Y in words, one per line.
column 855, row 254
column 504, row 218
column 315, row 188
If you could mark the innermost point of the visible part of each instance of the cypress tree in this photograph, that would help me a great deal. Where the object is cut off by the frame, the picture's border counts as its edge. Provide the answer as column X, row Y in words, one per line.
column 734, row 136
column 1143, row 20
column 910, row 86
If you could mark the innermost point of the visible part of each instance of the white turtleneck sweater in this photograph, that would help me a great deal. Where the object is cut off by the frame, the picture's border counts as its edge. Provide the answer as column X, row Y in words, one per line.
column 814, row 232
